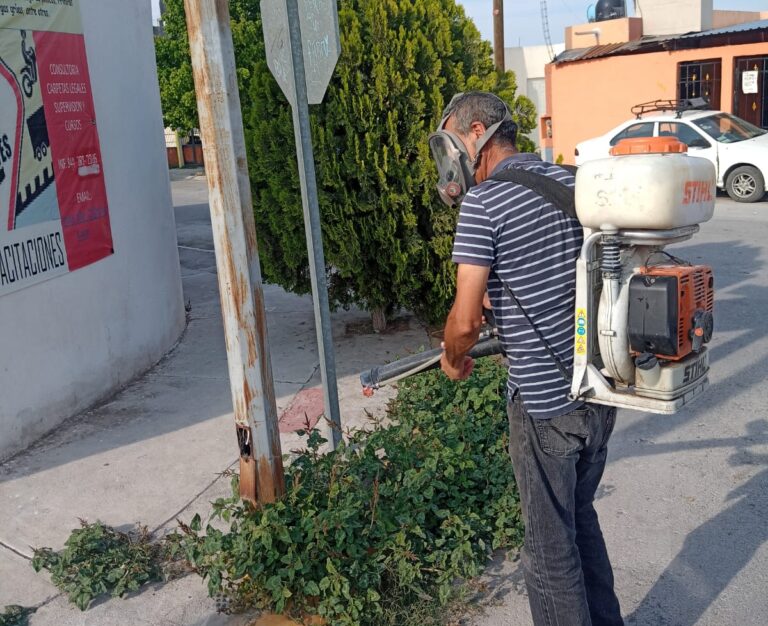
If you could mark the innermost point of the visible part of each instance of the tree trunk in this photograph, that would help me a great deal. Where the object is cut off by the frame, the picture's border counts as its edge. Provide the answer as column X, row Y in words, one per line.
column 379, row 319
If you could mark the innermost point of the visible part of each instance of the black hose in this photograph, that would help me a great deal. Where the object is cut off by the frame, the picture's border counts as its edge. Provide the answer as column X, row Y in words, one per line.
column 417, row 363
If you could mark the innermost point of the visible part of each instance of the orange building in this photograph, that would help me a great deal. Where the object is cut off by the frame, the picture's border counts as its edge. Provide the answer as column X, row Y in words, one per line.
column 612, row 65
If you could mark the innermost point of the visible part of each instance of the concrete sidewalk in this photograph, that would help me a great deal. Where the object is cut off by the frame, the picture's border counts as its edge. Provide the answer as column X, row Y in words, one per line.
column 155, row 451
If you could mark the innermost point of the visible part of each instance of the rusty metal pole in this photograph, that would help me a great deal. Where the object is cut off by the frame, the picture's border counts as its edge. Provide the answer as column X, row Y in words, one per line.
column 237, row 259
column 498, row 34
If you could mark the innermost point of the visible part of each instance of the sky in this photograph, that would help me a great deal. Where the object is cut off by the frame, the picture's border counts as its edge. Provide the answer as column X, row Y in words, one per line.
column 522, row 20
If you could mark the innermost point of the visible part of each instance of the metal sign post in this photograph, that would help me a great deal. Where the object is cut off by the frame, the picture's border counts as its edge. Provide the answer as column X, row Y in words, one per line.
column 237, row 259
column 302, row 44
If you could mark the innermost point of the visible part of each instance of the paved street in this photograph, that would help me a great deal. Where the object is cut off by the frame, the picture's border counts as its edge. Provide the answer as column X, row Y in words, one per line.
column 684, row 502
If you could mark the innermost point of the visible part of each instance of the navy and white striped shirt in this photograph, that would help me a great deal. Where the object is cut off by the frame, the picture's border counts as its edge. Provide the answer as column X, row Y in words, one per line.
column 532, row 246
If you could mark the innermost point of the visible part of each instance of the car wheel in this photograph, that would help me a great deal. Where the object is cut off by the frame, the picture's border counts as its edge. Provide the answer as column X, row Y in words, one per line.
column 745, row 184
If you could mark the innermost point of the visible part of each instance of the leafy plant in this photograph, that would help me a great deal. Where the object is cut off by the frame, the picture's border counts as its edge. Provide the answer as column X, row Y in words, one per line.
column 98, row 559
column 375, row 533
column 390, row 519
column 15, row 615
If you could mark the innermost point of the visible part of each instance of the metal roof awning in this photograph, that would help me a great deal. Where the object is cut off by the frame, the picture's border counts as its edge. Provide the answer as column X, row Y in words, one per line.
column 740, row 33
column 727, row 30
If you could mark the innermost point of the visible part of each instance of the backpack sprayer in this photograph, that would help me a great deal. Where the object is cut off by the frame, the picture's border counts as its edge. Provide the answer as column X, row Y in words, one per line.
column 642, row 316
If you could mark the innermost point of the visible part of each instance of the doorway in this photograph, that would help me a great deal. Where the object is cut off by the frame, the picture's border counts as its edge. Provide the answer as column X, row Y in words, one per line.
column 750, row 90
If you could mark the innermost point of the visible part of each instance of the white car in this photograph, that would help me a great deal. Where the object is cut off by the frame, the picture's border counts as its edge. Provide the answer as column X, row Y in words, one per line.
column 738, row 149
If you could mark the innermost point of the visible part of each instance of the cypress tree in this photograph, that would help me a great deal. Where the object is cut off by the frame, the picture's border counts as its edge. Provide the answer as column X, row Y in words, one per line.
column 387, row 236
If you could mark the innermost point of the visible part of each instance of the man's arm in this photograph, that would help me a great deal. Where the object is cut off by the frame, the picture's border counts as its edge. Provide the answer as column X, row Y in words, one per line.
column 464, row 321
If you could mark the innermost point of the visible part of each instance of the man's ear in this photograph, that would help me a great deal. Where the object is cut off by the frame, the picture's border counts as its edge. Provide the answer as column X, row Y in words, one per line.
column 478, row 129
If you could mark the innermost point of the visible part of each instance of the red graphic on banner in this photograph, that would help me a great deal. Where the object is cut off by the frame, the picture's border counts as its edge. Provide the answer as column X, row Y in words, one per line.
column 6, row 153
column 71, row 120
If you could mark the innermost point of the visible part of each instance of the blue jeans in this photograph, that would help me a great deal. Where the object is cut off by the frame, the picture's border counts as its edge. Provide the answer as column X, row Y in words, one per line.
column 558, row 465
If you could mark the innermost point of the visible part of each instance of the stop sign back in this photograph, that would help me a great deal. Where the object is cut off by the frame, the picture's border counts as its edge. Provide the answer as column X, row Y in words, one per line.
column 319, row 39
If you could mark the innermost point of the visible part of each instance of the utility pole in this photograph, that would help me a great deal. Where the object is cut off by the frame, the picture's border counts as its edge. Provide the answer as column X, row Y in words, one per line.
column 498, row 34
column 237, row 259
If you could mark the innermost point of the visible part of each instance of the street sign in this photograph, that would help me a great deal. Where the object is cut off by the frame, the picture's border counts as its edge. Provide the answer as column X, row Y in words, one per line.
column 321, row 47
column 302, row 44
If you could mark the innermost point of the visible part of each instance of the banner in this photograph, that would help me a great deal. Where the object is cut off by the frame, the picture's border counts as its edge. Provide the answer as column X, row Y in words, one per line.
column 54, row 216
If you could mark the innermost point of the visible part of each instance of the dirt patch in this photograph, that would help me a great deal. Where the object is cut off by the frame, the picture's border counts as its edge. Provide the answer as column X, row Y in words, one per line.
column 365, row 326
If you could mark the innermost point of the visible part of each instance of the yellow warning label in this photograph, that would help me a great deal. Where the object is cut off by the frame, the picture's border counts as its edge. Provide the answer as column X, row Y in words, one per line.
column 580, row 337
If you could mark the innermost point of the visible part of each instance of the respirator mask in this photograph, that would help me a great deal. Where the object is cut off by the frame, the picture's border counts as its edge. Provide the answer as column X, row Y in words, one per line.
column 455, row 169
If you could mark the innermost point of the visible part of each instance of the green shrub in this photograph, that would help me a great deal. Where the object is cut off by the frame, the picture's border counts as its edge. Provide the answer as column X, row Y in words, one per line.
column 98, row 559
column 375, row 533
column 390, row 519
column 387, row 236
column 15, row 615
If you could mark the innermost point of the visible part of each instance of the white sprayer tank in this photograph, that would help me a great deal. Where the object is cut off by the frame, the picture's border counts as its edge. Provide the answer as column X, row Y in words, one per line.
column 649, row 184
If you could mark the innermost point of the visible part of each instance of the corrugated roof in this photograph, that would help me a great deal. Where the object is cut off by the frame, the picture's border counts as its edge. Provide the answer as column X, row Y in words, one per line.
column 736, row 28
column 610, row 49
column 651, row 44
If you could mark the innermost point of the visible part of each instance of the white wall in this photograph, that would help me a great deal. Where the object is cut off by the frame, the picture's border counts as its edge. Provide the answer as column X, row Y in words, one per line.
column 674, row 17
column 528, row 64
column 70, row 341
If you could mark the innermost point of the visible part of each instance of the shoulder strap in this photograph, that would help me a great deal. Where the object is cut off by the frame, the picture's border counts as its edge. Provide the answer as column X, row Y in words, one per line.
column 559, row 195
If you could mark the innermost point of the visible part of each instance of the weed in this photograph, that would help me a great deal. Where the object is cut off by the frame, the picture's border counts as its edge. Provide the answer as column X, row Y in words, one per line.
column 379, row 530
column 15, row 615
column 98, row 559
column 376, row 533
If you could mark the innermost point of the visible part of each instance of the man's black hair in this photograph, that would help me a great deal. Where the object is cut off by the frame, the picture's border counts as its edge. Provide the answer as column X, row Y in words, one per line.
column 506, row 135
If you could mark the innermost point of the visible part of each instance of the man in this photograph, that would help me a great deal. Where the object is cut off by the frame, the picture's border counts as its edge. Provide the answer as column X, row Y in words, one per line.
column 513, row 243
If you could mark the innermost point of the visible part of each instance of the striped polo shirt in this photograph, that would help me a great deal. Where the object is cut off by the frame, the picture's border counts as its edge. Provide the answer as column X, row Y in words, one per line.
column 531, row 246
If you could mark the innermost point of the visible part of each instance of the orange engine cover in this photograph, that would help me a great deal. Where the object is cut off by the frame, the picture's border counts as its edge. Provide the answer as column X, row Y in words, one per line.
column 671, row 310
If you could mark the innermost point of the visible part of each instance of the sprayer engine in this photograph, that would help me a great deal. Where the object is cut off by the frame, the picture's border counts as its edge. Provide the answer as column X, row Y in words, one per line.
column 670, row 311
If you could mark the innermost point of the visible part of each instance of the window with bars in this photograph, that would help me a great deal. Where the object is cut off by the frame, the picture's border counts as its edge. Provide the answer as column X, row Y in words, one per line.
column 700, row 79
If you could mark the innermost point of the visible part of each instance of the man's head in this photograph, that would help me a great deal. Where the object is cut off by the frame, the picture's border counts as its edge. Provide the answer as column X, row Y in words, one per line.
column 476, row 132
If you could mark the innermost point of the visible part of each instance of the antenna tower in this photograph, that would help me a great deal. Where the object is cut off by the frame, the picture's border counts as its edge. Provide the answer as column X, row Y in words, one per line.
column 545, row 29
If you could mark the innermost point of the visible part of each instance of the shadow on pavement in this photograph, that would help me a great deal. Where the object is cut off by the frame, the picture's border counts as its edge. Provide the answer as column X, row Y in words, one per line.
column 714, row 553
column 717, row 550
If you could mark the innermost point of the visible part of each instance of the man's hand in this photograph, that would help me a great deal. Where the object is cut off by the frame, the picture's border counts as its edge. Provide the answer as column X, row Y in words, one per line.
column 461, row 373
column 463, row 324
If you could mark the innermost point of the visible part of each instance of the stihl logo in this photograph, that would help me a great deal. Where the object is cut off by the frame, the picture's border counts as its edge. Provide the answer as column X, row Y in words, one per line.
column 695, row 370
column 697, row 191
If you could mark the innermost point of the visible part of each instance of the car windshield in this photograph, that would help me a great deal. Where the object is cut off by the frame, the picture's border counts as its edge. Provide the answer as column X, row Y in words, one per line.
column 726, row 128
